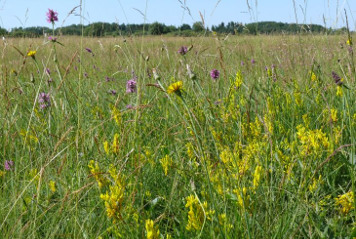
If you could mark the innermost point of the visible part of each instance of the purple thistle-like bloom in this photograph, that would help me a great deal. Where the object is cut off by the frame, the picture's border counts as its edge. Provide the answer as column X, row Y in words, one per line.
column 129, row 106
column 52, row 16
column 8, row 165
column 253, row 61
column 89, row 50
column 113, row 92
column 107, row 79
column 131, row 86
column 214, row 74
column 337, row 78
column 183, row 50
column 52, row 39
column 45, row 100
column 48, row 71
column 242, row 63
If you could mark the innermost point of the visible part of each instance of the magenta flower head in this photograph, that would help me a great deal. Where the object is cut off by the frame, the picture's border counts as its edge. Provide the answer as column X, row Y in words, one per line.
column 89, row 51
column 183, row 50
column 214, row 73
column 52, row 39
column 131, row 86
column 52, row 16
column 8, row 165
column 44, row 100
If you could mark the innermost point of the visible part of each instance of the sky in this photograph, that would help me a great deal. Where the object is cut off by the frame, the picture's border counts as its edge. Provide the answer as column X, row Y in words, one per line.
column 27, row 13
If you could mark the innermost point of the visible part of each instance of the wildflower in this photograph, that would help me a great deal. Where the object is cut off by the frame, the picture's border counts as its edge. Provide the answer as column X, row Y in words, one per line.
column 107, row 79
column 197, row 214
column 349, row 42
column 238, row 80
column 175, row 88
column 89, row 50
column 52, row 39
column 113, row 92
column 31, row 54
column 253, row 61
column 242, row 63
column 129, row 106
column 339, row 91
column 166, row 161
column 48, row 71
column 8, row 165
column 214, row 74
column 183, row 50
column 337, row 78
column 86, row 75
column 131, row 86
column 115, row 144
column 52, row 16
column 151, row 230
column 313, row 77
column 45, row 100
column 115, row 197
column 2, row 173
column 346, row 202
column 52, row 186
column 106, row 147
column 257, row 177
column 96, row 173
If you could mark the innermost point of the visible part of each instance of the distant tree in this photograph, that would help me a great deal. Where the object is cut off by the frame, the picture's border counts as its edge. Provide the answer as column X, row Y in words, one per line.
column 3, row 31
column 198, row 27
column 157, row 28
column 185, row 27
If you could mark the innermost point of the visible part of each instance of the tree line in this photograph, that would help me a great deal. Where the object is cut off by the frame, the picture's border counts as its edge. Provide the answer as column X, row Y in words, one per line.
column 100, row 29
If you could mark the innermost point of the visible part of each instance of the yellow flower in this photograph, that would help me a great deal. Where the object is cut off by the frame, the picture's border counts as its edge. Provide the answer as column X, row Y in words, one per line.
column 31, row 54
column 97, row 174
column 257, row 176
column 106, row 147
column 346, row 201
column 52, row 186
column 166, row 162
column 151, row 230
column 175, row 88
column 2, row 173
column 349, row 42
column 339, row 91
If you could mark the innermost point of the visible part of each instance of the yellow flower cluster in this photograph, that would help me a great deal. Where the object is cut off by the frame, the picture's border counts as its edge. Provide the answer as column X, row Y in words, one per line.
column 238, row 80
column 312, row 141
column 116, row 115
column 52, row 186
column 243, row 199
column 198, row 213
column 257, row 177
column 115, row 196
column 114, row 148
column 152, row 232
column 166, row 162
column 345, row 202
column 97, row 174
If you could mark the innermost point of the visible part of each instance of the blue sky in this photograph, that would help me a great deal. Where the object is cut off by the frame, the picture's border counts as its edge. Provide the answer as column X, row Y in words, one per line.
column 26, row 13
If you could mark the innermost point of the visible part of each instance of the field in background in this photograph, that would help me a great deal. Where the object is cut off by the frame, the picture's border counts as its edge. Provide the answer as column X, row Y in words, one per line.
column 264, row 150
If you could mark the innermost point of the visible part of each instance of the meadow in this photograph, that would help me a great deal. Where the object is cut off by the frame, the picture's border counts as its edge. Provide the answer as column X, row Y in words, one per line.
column 172, row 137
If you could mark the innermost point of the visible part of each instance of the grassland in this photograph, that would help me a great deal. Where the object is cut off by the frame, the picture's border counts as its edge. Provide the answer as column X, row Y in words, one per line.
column 266, row 150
